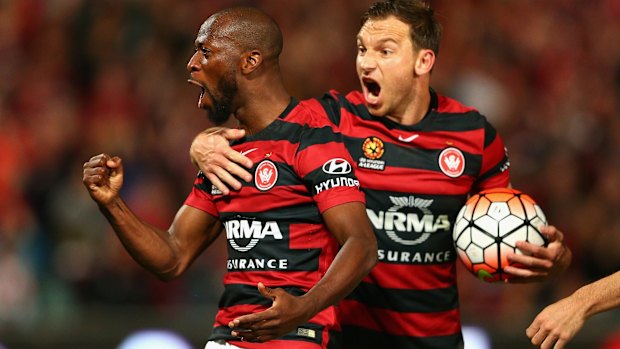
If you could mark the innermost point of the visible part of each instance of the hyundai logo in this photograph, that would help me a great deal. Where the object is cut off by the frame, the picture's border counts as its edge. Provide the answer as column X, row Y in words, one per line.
column 337, row 166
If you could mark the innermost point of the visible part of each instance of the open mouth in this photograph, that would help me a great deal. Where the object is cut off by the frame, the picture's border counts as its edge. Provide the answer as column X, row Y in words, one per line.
column 372, row 90
column 202, row 92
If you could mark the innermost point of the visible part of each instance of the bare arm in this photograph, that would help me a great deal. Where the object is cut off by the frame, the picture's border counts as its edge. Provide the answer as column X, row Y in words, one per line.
column 167, row 254
column 355, row 259
column 211, row 153
column 558, row 323
column 540, row 263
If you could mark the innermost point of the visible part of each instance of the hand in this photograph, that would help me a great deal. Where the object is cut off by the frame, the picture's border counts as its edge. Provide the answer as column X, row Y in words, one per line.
column 211, row 153
column 103, row 177
column 538, row 262
column 557, row 324
column 284, row 315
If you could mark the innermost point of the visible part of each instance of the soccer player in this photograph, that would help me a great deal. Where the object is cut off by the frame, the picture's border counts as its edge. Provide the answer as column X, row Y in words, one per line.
column 299, row 238
column 418, row 156
column 559, row 322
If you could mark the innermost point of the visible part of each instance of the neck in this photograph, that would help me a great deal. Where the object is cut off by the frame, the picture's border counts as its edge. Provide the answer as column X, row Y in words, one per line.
column 262, row 105
column 414, row 111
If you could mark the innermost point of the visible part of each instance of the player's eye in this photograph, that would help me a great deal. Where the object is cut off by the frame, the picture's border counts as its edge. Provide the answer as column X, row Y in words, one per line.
column 361, row 50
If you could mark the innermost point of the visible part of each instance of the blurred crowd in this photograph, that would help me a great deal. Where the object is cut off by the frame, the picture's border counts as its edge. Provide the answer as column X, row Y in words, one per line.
column 84, row 77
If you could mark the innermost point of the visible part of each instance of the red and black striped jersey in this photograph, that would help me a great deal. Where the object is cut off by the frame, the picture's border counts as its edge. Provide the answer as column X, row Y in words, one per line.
column 416, row 178
column 274, row 227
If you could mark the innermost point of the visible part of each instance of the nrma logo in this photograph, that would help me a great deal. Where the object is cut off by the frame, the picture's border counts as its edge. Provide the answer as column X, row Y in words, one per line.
column 408, row 228
column 250, row 232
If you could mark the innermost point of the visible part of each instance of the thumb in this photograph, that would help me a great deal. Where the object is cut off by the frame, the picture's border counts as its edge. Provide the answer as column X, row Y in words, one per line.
column 115, row 164
column 233, row 133
column 265, row 291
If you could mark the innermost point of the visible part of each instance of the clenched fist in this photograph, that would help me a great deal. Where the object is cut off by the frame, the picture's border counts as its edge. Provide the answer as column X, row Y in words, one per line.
column 103, row 177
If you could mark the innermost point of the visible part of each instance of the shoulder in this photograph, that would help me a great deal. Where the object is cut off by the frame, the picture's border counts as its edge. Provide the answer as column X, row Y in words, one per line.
column 451, row 110
column 309, row 113
column 452, row 106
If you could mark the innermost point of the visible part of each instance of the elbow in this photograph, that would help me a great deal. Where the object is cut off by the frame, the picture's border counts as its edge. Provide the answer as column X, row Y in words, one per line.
column 169, row 274
column 167, row 277
column 372, row 255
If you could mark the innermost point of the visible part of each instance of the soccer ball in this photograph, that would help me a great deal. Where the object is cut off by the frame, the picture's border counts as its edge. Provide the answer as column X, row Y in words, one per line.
column 488, row 227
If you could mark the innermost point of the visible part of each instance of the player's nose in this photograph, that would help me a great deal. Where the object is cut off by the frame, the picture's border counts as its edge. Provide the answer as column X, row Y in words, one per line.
column 366, row 63
column 194, row 63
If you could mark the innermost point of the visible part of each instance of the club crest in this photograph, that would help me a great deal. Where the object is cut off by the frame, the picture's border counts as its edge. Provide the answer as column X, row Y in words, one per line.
column 452, row 162
column 266, row 175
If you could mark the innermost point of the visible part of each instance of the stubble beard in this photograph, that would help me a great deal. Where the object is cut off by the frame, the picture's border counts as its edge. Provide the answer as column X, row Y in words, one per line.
column 222, row 106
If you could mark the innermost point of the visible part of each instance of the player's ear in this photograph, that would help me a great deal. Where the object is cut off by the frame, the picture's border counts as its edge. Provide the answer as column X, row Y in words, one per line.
column 424, row 62
column 250, row 61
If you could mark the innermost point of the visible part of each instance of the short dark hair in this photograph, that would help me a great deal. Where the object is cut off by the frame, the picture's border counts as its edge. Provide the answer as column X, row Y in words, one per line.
column 425, row 28
column 250, row 28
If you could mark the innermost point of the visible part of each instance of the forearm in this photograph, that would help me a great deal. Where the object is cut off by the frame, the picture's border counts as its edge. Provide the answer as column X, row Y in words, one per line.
column 354, row 261
column 601, row 295
column 151, row 247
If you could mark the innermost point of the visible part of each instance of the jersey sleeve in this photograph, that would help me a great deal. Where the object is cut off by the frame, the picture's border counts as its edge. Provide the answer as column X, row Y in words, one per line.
column 200, row 197
column 495, row 169
column 325, row 166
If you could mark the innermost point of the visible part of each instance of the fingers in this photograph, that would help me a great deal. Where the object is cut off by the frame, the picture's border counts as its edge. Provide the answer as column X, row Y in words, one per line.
column 211, row 153
column 257, row 327
column 224, row 177
column 260, row 331
column 247, row 321
column 537, row 260
column 260, row 336
column 545, row 339
column 217, row 183
column 232, row 133
column 103, row 177
column 540, row 337
column 552, row 233
column 239, row 158
column 95, row 171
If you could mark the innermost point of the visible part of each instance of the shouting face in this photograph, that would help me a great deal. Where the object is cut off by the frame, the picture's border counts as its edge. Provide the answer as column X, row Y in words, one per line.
column 213, row 68
column 385, row 65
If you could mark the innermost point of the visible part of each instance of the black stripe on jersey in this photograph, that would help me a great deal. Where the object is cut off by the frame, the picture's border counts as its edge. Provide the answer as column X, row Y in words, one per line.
column 408, row 202
column 280, row 130
column 205, row 185
column 363, row 338
column 400, row 156
column 500, row 167
column 489, row 134
column 453, row 122
column 356, row 109
column 318, row 180
column 224, row 332
column 307, row 213
column 331, row 107
column 269, row 248
column 434, row 120
column 236, row 294
column 401, row 300
column 318, row 135
column 256, row 259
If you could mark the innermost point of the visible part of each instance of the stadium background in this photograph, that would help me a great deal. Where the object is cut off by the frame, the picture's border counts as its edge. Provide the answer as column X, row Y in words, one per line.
column 82, row 77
